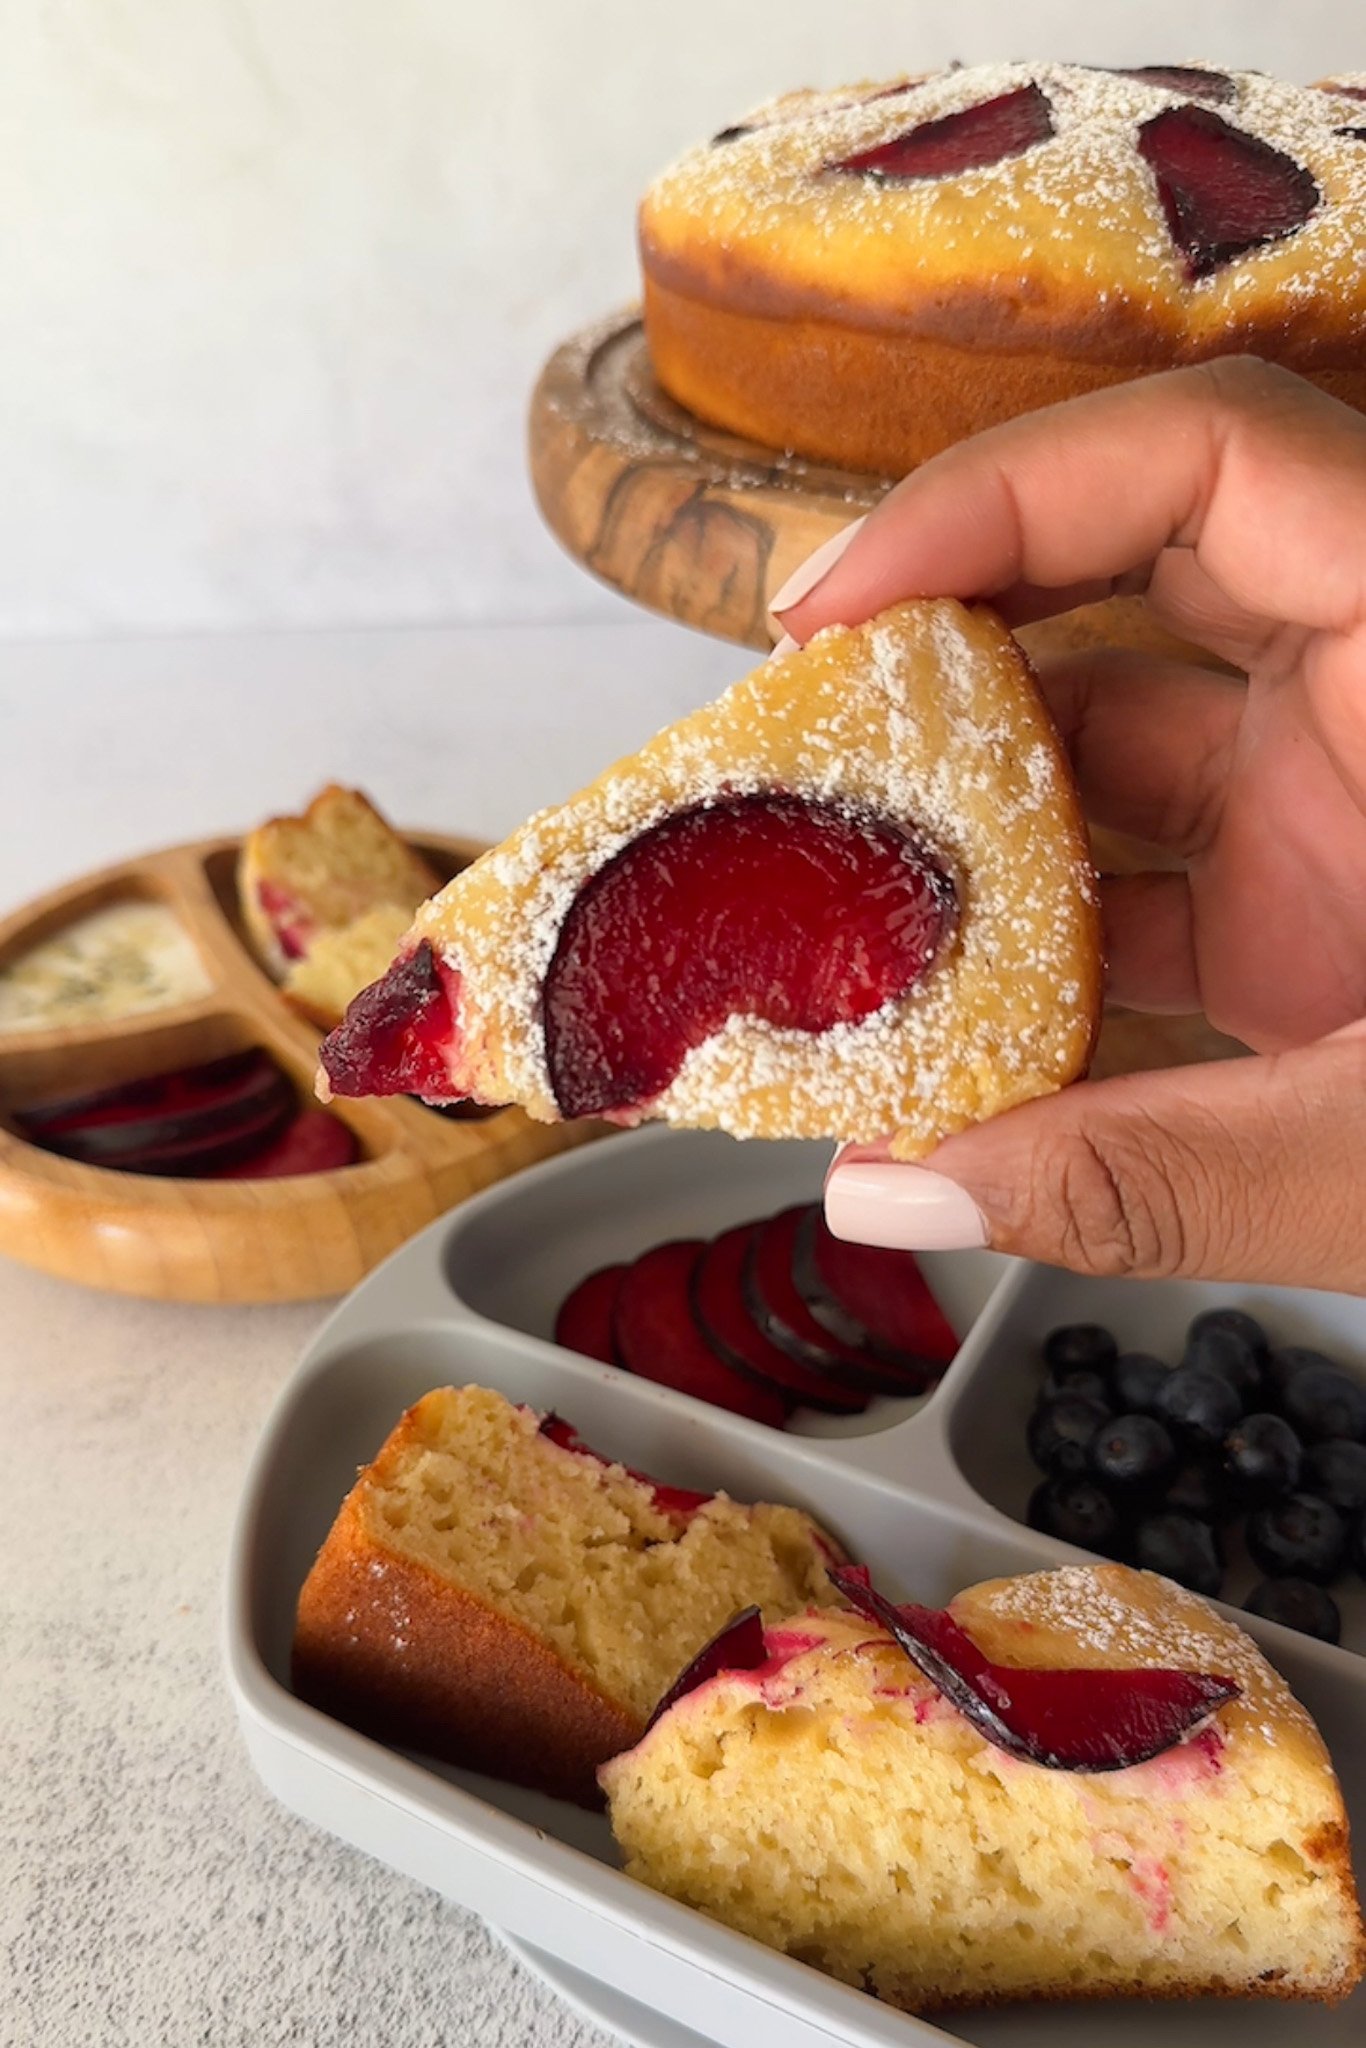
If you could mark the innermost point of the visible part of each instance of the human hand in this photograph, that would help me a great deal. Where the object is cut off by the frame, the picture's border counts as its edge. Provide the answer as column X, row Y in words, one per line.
column 1233, row 496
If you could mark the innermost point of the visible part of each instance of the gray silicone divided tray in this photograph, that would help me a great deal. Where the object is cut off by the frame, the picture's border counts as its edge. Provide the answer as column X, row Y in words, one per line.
column 928, row 1492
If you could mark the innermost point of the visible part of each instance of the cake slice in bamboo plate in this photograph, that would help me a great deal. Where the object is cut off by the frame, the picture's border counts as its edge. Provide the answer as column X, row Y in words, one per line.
column 237, row 1239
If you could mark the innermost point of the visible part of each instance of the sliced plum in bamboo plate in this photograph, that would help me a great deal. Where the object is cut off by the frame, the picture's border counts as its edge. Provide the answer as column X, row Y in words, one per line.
column 243, row 1190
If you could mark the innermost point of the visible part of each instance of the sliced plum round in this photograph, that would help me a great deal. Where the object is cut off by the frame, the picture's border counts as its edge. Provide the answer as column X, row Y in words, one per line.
column 161, row 1109
column 207, row 1156
column 867, row 1296
column 584, row 1322
column 313, row 1142
column 655, row 1337
column 723, row 1315
column 777, row 1305
column 191, row 1121
column 788, row 909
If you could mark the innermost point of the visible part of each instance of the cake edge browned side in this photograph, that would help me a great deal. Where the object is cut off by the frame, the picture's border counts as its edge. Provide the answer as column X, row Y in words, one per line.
column 875, row 399
column 469, row 1686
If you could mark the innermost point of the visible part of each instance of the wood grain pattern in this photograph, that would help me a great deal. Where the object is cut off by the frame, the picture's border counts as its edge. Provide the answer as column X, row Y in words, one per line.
column 681, row 517
column 699, row 524
column 230, row 1240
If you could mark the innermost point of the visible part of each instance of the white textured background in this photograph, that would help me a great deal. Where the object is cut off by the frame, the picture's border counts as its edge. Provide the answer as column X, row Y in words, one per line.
column 275, row 279
column 276, row 275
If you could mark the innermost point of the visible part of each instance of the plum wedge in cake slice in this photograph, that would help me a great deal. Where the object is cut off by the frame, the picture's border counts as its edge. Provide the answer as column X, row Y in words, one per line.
column 1082, row 1783
column 850, row 897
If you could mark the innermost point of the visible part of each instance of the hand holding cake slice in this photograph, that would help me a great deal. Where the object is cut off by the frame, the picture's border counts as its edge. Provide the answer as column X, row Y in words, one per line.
column 850, row 897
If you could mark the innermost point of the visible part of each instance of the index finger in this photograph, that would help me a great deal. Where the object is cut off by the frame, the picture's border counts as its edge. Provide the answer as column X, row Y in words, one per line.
column 1262, row 475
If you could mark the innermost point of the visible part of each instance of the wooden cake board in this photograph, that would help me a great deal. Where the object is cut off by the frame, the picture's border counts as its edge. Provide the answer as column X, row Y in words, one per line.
column 698, row 524
column 286, row 1239
column 704, row 527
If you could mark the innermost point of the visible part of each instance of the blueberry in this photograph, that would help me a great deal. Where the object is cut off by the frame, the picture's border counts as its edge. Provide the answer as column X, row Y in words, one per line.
column 1059, row 1431
column 1200, row 1407
column 1298, row 1537
column 1294, row 1603
column 1199, row 1487
column 1282, row 1366
column 1077, row 1379
column 1237, row 1323
column 1132, row 1454
column 1321, row 1402
column 1076, row 1511
column 1215, row 1349
column 1136, row 1380
column 1080, row 1346
column 1335, row 1471
column 1263, row 1456
column 1181, row 1548
column 1356, row 1549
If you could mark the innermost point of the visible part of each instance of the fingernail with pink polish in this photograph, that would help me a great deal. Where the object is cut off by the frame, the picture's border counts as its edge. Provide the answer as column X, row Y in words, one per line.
column 903, row 1208
column 809, row 573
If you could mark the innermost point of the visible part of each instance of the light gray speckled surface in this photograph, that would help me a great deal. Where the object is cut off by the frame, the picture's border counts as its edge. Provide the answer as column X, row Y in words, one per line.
column 151, row 1892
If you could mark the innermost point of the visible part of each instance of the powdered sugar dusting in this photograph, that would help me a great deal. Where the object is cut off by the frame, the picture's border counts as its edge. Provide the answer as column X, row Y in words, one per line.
column 1121, row 1618
column 921, row 717
column 1080, row 209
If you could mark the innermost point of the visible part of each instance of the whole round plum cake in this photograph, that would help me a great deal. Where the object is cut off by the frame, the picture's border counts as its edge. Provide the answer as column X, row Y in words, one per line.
column 868, row 275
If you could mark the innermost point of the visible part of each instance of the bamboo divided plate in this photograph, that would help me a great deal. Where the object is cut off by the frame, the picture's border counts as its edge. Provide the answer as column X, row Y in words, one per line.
column 225, row 1240
column 704, row 527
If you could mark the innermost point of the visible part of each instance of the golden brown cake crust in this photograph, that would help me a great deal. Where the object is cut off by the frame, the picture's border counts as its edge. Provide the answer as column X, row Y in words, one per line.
column 501, row 1600
column 873, row 322
column 469, row 1686
column 871, row 399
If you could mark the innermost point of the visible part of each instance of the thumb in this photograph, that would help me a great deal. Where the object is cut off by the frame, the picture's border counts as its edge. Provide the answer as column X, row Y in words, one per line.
column 1250, row 1169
